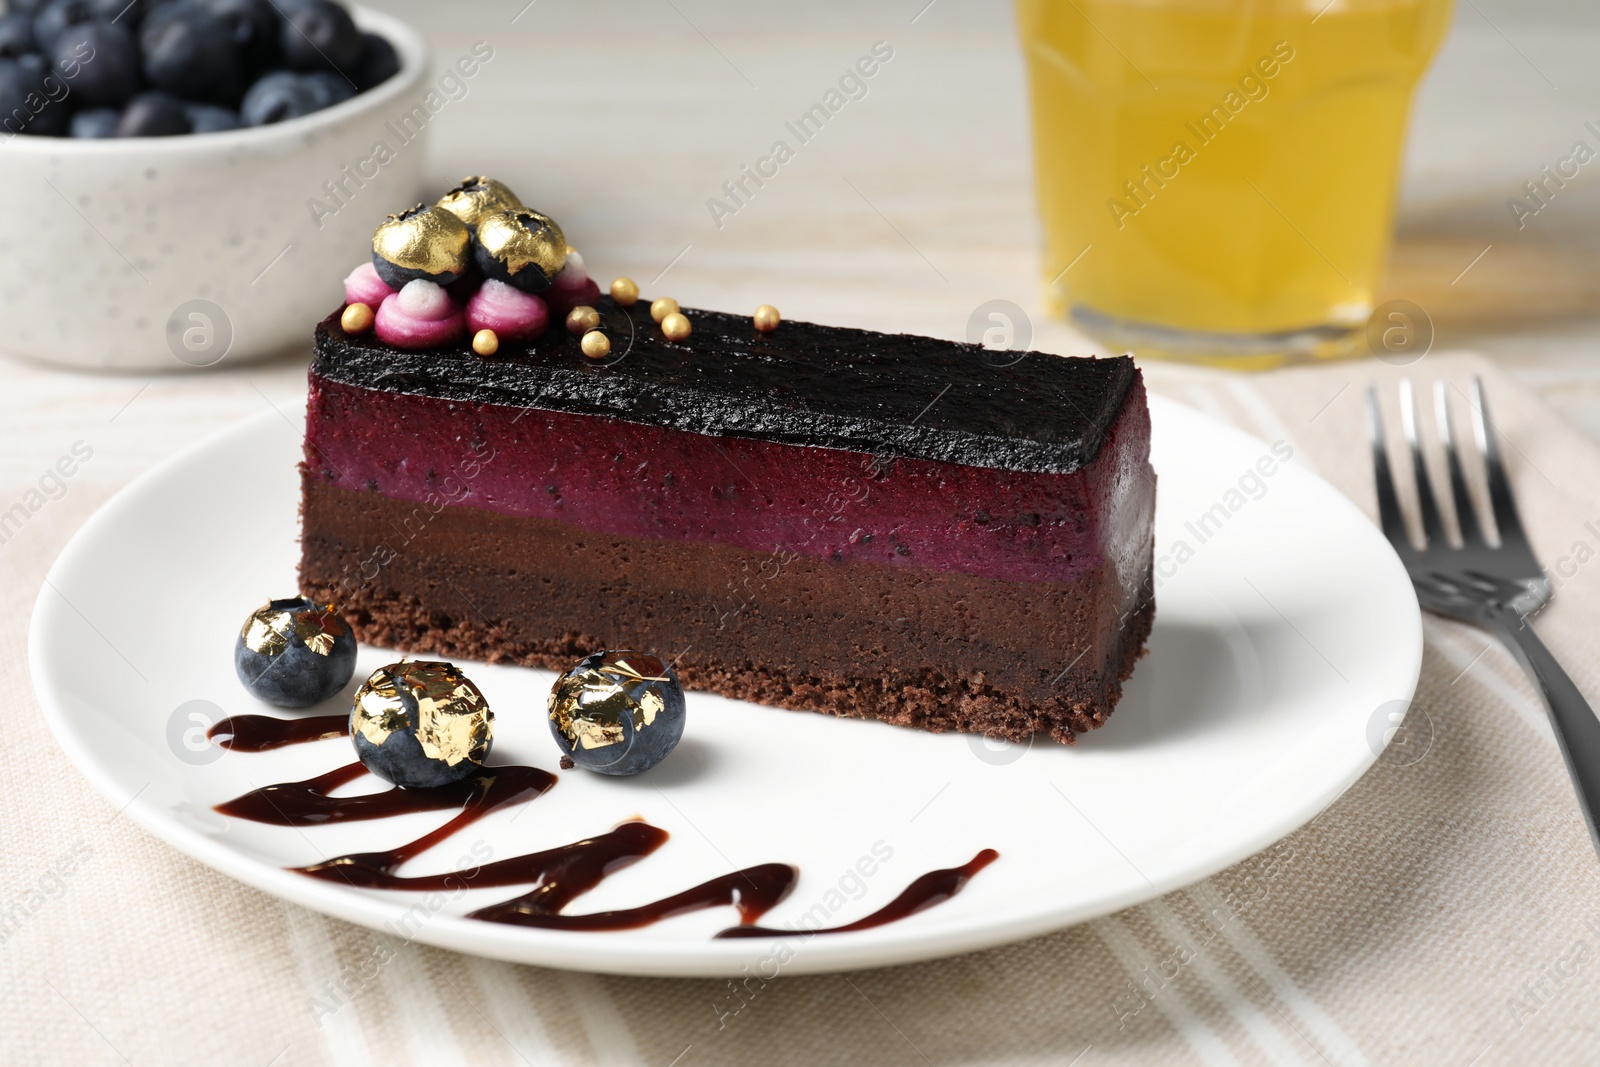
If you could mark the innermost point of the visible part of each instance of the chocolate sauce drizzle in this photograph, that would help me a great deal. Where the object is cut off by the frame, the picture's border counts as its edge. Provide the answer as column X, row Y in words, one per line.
column 583, row 862
column 754, row 891
column 558, row 875
column 308, row 803
column 935, row 887
column 262, row 733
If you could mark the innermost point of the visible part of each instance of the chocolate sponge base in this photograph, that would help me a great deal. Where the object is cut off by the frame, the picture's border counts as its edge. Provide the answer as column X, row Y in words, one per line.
column 927, row 649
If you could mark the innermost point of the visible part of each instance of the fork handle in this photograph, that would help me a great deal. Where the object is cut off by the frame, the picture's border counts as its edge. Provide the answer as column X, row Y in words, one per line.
column 1576, row 728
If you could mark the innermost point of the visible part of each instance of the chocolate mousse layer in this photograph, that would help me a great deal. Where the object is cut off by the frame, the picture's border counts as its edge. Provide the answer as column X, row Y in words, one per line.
column 936, row 650
column 863, row 524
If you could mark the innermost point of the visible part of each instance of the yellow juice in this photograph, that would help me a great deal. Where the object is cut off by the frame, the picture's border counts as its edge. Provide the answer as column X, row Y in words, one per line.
column 1217, row 177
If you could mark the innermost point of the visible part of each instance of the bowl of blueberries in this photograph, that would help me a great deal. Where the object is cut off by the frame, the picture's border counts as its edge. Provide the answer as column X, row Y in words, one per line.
column 180, row 180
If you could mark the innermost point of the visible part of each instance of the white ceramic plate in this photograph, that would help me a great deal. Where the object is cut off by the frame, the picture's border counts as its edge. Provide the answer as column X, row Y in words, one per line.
column 1281, row 636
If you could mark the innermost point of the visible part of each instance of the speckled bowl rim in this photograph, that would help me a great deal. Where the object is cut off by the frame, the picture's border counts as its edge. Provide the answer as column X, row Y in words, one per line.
column 407, row 42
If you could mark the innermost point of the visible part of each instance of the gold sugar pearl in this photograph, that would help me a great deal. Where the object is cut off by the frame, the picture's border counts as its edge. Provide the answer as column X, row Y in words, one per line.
column 357, row 318
column 676, row 326
column 582, row 319
column 596, row 345
column 663, row 306
column 767, row 318
column 625, row 291
column 486, row 342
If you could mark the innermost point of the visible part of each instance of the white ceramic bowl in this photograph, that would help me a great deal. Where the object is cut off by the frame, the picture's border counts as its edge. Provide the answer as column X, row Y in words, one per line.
column 170, row 252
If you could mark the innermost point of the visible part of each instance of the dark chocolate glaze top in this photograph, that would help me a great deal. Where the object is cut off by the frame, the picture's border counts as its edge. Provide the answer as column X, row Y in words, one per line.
column 888, row 395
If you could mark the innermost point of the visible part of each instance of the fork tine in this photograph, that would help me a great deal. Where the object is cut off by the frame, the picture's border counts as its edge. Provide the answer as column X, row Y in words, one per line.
column 1466, row 510
column 1432, row 524
column 1390, row 518
column 1506, row 520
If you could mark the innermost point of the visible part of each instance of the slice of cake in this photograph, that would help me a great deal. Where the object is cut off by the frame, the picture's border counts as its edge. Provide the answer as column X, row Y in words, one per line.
column 873, row 525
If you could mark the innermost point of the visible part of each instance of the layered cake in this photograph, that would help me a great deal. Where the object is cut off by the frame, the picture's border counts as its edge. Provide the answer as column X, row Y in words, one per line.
column 873, row 525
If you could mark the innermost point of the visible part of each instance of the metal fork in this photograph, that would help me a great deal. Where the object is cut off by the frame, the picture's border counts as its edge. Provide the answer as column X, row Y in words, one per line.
column 1498, row 586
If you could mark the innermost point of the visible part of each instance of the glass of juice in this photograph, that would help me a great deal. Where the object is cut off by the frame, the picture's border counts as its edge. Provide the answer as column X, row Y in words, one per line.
column 1217, row 177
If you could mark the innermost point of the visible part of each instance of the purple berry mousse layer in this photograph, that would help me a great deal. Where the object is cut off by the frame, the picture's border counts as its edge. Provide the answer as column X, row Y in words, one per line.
column 607, row 476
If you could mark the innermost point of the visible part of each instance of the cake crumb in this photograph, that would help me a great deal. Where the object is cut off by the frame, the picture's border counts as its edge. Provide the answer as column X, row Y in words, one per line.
column 566, row 763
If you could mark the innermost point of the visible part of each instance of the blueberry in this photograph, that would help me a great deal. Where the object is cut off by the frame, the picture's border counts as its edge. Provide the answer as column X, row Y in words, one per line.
column 255, row 26
column 330, row 88
column 521, row 247
column 153, row 114
column 617, row 712
column 277, row 97
column 379, row 62
column 125, row 13
column 100, row 62
column 57, row 17
column 188, row 51
column 421, row 243
column 25, row 7
column 294, row 653
column 209, row 118
column 32, row 98
column 321, row 36
column 16, row 35
column 95, row 124
column 421, row 724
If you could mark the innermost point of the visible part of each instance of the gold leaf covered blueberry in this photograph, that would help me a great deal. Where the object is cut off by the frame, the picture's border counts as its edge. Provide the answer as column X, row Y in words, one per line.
column 421, row 724
column 422, row 242
column 478, row 197
column 523, row 248
column 617, row 712
column 294, row 653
